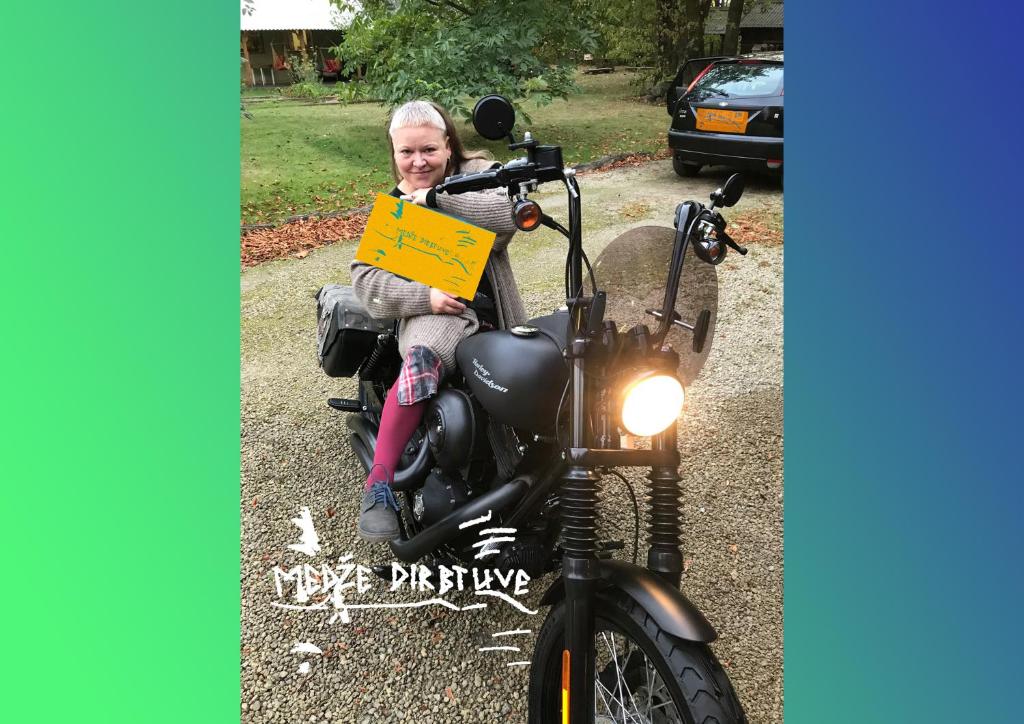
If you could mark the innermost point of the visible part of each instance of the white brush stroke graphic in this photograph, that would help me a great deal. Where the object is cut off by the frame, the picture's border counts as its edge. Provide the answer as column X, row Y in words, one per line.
column 309, row 542
column 507, row 599
column 476, row 521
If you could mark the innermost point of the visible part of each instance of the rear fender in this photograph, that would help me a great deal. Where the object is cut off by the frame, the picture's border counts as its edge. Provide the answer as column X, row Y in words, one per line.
column 665, row 604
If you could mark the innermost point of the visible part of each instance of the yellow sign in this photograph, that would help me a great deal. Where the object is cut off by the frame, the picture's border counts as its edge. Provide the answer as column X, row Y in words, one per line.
column 712, row 119
column 426, row 246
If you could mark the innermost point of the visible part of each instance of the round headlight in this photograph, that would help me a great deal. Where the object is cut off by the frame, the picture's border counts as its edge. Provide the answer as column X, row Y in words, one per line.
column 650, row 404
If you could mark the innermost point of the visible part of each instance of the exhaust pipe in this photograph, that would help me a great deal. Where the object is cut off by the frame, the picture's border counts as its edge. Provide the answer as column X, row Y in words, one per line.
column 447, row 528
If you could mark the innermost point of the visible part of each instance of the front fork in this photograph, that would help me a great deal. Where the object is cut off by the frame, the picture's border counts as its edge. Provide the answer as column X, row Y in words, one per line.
column 664, row 554
column 581, row 575
column 580, row 564
column 578, row 502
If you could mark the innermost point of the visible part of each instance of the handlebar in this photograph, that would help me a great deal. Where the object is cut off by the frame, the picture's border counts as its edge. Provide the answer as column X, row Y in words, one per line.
column 545, row 167
column 465, row 182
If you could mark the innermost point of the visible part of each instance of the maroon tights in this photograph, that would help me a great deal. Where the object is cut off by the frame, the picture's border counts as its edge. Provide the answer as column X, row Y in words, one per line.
column 397, row 424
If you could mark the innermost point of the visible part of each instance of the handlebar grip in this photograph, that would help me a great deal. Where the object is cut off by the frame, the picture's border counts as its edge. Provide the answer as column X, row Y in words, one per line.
column 464, row 183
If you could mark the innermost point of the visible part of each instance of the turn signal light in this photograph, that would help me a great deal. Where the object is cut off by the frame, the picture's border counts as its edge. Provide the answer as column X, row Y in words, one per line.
column 526, row 214
column 565, row 686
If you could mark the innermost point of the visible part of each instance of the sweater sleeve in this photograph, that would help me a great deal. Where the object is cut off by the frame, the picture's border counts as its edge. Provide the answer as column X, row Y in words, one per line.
column 388, row 296
column 491, row 209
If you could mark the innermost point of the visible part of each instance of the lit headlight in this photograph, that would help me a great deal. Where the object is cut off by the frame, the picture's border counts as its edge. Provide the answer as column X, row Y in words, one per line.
column 650, row 404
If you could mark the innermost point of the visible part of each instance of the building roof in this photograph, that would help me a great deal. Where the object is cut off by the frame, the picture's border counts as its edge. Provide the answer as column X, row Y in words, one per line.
column 293, row 15
column 756, row 15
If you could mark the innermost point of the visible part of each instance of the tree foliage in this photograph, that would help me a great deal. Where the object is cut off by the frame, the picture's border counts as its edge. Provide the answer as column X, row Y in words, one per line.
column 659, row 33
column 452, row 51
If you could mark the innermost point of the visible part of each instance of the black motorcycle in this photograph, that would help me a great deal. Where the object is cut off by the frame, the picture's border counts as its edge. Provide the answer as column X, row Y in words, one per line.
column 535, row 417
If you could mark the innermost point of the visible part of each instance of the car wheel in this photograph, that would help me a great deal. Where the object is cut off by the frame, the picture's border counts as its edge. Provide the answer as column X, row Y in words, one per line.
column 685, row 169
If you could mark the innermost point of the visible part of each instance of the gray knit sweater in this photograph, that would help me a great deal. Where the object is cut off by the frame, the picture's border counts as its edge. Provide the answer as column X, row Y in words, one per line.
column 386, row 295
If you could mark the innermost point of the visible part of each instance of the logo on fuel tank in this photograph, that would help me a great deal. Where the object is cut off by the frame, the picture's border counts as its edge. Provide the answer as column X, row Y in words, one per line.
column 484, row 375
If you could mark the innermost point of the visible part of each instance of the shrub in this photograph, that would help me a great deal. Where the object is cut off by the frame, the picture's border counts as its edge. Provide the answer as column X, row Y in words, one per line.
column 305, row 80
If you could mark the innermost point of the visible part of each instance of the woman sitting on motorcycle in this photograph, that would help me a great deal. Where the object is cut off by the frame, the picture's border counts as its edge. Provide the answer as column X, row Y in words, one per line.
column 426, row 148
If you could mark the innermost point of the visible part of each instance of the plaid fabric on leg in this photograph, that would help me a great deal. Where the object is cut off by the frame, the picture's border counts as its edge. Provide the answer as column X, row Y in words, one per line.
column 419, row 377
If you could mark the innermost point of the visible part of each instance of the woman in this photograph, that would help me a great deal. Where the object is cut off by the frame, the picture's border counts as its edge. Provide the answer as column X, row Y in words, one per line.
column 425, row 148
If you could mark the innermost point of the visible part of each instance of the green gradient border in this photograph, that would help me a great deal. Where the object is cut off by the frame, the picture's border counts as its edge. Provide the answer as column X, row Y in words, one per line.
column 121, row 424
column 120, row 439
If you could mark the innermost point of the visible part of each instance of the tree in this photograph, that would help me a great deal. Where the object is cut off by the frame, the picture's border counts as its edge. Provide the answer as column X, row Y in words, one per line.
column 451, row 51
column 662, row 33
column 731, row 41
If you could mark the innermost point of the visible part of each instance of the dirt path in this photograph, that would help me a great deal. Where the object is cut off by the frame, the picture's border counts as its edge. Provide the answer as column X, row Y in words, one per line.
column 423, row 666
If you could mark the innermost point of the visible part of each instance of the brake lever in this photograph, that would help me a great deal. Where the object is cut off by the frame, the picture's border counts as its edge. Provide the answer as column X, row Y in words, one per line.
column 729, row 242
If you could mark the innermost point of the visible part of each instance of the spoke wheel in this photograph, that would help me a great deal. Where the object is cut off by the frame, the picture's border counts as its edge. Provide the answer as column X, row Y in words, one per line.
column 643, row 674
column 629, row 687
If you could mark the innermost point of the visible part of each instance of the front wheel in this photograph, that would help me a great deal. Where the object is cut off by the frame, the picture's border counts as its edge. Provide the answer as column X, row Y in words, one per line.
column 643, row 674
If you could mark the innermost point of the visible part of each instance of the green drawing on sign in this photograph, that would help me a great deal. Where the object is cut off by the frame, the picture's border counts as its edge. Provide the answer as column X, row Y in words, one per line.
column 466, row 240
column 397, row 213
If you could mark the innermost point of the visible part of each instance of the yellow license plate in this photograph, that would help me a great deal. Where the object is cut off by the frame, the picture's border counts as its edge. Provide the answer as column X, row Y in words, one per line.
column 712, row 119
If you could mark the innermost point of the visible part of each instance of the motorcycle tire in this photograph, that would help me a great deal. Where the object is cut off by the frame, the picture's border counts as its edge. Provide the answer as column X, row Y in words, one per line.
column 694, row 687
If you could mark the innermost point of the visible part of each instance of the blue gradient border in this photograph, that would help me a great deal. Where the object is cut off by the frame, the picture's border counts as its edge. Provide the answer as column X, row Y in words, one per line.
column 903, row 348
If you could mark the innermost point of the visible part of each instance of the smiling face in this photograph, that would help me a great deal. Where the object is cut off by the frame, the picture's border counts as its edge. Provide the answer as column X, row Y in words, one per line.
column 421, row 156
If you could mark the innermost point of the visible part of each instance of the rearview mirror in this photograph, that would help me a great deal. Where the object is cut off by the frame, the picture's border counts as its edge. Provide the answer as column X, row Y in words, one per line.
column 493, row 117
column 730, row 193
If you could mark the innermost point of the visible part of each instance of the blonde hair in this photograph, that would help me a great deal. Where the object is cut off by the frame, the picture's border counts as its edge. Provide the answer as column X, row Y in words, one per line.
column 416, row 113
column 428, row 113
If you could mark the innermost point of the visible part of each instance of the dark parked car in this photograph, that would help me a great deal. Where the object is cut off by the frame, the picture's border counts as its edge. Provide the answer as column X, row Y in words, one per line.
column 687, row 73
column 731, row 115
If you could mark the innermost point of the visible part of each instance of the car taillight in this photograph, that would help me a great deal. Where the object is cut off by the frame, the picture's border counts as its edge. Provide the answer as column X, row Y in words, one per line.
column 699, row 76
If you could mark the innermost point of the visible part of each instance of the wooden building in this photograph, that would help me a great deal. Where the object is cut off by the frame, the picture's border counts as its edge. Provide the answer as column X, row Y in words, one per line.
column 760, row 28
column 274, row 32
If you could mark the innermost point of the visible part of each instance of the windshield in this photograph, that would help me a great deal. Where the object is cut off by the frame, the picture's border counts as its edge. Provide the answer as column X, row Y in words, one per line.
column 633, row 270
column 739, row 80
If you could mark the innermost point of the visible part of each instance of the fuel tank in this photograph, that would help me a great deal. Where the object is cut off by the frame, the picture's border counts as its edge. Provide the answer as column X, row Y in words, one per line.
column 518, row 375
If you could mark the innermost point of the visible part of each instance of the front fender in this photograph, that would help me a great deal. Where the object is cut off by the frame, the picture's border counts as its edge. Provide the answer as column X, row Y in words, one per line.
column 665, row 604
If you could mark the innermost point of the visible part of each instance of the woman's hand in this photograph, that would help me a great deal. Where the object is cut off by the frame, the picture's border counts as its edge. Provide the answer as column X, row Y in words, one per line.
column 444, row 303
column 418, row 197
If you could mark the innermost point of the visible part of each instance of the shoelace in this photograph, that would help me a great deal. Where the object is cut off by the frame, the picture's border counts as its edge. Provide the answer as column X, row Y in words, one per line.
column 382, row 493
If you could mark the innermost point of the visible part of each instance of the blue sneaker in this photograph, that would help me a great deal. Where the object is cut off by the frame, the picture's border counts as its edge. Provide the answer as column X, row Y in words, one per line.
column 378, row 517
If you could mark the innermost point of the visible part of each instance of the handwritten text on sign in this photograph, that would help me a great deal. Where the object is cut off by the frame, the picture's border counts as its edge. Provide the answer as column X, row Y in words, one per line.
column 425, row 246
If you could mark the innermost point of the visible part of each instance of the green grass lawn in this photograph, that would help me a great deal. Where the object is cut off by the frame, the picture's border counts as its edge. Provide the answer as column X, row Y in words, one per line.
column 300, row 158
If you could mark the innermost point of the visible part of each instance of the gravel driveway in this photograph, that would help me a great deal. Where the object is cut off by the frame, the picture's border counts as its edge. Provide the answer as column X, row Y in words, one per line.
column 422, row 664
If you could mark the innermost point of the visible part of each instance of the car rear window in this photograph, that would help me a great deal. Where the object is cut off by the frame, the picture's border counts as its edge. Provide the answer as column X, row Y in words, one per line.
column 740, row 80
